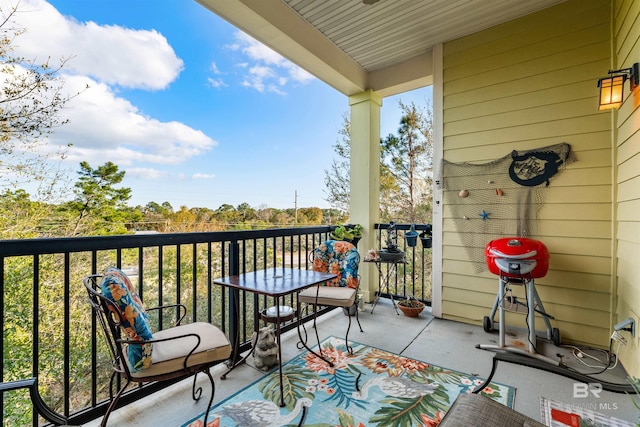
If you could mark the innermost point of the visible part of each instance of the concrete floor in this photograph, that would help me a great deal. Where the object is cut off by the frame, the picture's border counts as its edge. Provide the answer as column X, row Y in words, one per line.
column 440, row 342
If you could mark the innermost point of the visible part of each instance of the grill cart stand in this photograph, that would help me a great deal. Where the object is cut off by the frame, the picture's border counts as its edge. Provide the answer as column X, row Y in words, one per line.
column 517, row 261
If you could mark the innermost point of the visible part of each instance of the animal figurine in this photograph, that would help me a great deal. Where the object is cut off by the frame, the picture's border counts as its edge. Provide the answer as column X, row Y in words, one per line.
column 265, row 353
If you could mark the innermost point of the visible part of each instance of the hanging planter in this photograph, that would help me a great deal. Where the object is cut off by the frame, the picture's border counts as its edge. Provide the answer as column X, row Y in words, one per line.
column 426, row 239
column 411, row 237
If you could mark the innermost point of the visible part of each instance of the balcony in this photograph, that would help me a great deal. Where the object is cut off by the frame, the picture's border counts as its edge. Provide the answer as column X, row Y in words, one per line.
column 441, row 342
column 43, row 298
column 41, row 281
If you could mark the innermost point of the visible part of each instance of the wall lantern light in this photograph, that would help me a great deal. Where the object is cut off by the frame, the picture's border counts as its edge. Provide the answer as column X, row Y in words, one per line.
column 611, row 88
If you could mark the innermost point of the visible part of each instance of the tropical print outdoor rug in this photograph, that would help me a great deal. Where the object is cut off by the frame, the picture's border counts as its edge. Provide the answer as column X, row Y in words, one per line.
column 372, row 387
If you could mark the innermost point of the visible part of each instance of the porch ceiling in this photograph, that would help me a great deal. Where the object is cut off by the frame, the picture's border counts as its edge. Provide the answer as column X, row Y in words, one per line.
column 386, row 46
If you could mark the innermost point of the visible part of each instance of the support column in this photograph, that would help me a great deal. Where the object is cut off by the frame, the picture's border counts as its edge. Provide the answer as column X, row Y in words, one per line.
column 364, row 206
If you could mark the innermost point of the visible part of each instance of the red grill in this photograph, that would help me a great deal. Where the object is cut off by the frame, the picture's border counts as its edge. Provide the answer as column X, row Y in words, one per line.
column 518, row 261
column 517, row 257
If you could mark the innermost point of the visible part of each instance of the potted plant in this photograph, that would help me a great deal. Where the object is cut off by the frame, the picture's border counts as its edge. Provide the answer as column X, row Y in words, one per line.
column 411, row 236
column 351, row 233
column 426, row 237
column 410, row 306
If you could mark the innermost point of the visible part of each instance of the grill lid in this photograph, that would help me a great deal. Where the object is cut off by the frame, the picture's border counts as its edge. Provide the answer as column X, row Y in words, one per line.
column 517, row 257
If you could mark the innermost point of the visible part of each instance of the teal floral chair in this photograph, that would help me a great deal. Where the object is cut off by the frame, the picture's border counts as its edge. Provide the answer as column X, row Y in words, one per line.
column 340, row 258
column 140, row 354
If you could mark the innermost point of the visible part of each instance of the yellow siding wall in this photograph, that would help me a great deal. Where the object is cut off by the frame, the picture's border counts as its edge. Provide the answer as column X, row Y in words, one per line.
column 531, row 83
column 627, row 51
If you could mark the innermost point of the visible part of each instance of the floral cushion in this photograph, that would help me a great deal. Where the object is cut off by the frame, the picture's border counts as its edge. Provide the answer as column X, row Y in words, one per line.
column 338, row 257
column 117, row 287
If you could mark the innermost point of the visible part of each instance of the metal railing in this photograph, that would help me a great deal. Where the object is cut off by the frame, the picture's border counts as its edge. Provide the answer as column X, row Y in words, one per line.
column 413, row 278
column 50, row 332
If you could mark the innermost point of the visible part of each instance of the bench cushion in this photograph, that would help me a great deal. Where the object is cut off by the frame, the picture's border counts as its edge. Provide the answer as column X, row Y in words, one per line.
column 328, row 295
column 169, row 356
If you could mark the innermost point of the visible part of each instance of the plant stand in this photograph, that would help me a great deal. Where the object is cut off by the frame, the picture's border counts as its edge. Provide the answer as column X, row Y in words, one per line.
column 385, row 276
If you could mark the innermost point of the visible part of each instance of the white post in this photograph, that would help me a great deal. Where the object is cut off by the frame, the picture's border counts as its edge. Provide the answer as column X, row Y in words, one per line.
column 364, row 206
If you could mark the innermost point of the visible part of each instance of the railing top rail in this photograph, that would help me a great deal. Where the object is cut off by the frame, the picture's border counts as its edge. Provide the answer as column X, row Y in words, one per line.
column 417, row 227
column 22, row 247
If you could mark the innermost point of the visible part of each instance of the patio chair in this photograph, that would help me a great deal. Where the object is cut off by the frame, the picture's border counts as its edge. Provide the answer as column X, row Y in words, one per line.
column 341, row 258
column 140, row 355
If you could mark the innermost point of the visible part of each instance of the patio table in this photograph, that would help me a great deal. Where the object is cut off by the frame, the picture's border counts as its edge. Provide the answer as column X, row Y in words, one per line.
column 277, row 283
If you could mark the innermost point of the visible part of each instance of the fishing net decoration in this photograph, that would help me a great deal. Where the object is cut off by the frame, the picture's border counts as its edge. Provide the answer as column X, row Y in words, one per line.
column 500, row 198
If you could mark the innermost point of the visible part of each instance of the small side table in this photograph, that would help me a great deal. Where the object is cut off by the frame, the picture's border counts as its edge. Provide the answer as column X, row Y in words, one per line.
column 385, row 276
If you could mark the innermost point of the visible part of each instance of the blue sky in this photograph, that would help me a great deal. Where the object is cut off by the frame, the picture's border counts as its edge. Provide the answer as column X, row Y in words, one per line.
column 196, row 112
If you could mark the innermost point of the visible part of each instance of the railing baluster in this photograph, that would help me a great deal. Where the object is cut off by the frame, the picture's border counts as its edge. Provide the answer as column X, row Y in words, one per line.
column 234, row 268
column 160, row 282
column 67, row 334
column 209, row 283
column 2, row 289
column 178, row 275
column 94, row 340
column 140, row 272
column 194, row 283
column 36, row 318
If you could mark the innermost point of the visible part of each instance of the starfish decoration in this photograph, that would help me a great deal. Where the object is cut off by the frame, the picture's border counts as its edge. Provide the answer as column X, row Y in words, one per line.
column 484, row 215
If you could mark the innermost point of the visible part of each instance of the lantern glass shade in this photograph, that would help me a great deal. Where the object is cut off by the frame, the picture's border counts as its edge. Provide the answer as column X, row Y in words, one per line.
column 611, row 92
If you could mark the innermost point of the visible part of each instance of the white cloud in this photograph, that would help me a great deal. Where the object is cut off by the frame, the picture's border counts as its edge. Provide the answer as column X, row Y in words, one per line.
column 216, row 83
column 267, row 71
column 147, row 173
column 262, row 72
column 298, row 74
column 103, row 126
column 203, row 176
column 109, row 53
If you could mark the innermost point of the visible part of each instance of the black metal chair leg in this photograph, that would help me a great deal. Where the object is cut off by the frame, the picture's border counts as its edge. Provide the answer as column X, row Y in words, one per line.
column 196, row 393
column 358, row 319
column 114, row 402
column 303, row 340
column 315, row 326
column 213, row 392
column 346, row 338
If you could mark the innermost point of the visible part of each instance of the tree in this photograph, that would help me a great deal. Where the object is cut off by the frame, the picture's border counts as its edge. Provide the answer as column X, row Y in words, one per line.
column 153, row 208
column 99, row 206
column 407, row 159
column 310, row 216
column 184, row 220
column 20, row 217
column 405, row 168
column 246, row 212
column 336, row 180
column 31, row 99
column 227, row 213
